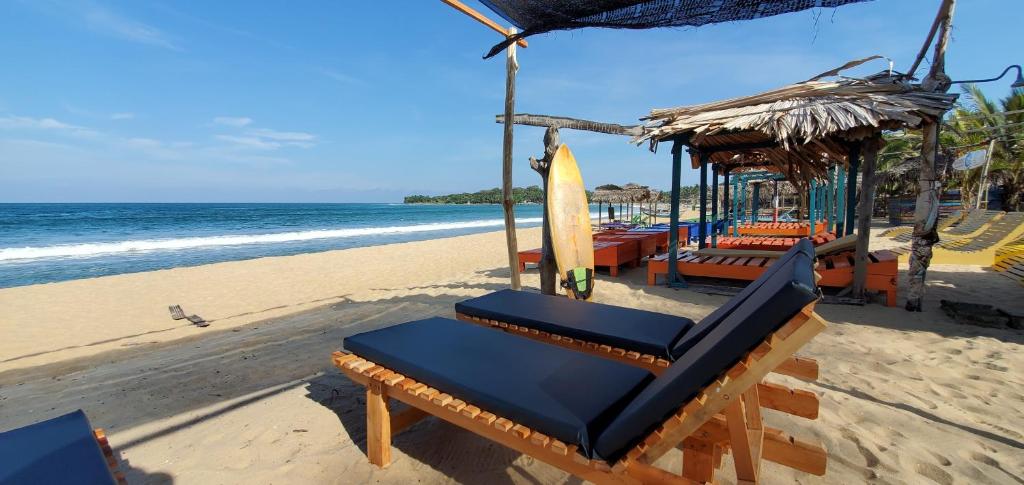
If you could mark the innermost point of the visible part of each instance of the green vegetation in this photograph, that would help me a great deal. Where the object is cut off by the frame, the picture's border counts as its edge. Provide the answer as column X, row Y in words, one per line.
column 521, row 195
column 686, row 192
column 973, row 123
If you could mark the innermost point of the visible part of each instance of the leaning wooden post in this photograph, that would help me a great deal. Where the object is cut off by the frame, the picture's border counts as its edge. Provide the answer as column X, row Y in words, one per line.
column 865, row 209
column 508, row 204
column 926, row 209
column 547, row 266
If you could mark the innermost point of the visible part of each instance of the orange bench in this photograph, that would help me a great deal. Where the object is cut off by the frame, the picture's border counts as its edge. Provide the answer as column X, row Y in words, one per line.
column 836, row 270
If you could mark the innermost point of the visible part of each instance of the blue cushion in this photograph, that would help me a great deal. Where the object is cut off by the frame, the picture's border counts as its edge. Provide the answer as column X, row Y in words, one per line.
column 60, row 450
column 562, row 393
column 771, row 305
column 708, row 323
column 638, row 330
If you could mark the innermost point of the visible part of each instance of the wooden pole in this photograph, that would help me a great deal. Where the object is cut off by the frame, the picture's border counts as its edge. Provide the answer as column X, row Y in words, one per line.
column 673, row 225
column 864, row 211
column 851, row 189
column 982, row 193
column 457, row 5
column 702, row 230
column 511, row 66
column 812, row 200
column 725, row 201
column 926, row 209
column 714, row 206
column 841, row 202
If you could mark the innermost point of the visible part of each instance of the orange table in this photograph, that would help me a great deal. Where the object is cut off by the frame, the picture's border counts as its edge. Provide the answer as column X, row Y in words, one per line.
column 647, row 244
column 612, row 254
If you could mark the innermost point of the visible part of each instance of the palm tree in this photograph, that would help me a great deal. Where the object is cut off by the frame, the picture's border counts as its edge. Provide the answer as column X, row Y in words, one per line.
column 978, row 121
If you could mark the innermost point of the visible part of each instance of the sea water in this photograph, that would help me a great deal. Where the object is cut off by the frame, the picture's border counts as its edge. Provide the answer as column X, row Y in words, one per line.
column 44, row 243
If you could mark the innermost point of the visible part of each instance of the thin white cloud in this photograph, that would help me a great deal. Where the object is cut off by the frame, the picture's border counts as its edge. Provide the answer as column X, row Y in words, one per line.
column 341, row 77
column 232, row 120
column 294, row 136
column 122, row 116
column 28, row 123
column 253, row 142
column 111, row 23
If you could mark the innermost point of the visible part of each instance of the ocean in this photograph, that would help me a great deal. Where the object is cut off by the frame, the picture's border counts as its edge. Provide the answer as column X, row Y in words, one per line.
column 45, row 243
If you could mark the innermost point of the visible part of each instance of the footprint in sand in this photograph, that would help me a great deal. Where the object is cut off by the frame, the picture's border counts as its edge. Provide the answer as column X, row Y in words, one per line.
column 870, row 459
column 933, row 473
column 941, row 459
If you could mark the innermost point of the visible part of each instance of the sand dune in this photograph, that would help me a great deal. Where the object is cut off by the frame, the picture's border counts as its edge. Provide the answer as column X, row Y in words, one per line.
column 905, row 398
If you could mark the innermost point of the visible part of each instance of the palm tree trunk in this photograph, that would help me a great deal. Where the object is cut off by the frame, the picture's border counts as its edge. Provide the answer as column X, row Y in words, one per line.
column 926, row 211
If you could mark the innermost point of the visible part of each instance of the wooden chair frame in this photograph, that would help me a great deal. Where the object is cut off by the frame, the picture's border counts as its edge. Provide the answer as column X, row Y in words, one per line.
column 108, row 454
column 724, row 416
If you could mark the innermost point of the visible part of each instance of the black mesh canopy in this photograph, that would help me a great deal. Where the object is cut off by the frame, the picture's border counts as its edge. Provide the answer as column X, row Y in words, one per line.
column 539, row 16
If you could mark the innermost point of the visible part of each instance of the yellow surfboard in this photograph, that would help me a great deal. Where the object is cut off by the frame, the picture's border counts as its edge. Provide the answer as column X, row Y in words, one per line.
column 569, row 217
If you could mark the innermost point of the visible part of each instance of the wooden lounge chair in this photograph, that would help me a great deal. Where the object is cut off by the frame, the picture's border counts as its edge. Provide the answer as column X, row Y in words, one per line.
column 601, row 420
column 65, row 449
column 979, row 247
column 767, row 243
column 638, row 337
column 793, row 229
column 835, row 265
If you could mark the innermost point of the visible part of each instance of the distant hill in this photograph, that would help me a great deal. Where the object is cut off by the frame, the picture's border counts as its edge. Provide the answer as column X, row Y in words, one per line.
column 521, row 195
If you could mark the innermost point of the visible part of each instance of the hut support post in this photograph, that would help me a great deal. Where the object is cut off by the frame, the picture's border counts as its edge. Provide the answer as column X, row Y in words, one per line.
column 548, row 268
column 755, row 202
column 714, row 206
column 840, row 202
column 673, row 226
column 865, row 210
column 736, row 205
column 851, row 188
column 725, row 201
column 511, row 66
column 702, row 230
column 775, row 200
column 830, row 195
column 812, row 213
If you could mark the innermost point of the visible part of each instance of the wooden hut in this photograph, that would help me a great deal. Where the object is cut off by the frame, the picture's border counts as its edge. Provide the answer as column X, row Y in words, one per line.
column 800, row 131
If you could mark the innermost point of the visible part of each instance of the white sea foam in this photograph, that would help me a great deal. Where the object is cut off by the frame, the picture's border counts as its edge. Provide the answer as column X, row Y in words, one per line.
column 144, row 245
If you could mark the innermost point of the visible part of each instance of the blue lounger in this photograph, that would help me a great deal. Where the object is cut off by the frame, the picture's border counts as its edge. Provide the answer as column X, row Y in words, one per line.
column 554, row 403
column 60, row 450
column 655, row 339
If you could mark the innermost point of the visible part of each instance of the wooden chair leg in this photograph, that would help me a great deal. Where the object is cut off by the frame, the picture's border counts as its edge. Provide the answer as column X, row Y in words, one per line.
column 746, row 435
column 378, row 425
column 699, row 460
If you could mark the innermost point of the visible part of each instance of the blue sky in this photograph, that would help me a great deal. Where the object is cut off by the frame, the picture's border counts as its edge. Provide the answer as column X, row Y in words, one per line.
column 369, row 101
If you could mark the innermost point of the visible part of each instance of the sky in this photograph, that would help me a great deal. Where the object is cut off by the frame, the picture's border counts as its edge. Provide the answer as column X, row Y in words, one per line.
column 327, row 101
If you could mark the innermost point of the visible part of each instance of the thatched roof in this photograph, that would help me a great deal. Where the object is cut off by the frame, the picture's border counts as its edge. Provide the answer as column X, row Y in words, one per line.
column 628, row 193
column 800, row 127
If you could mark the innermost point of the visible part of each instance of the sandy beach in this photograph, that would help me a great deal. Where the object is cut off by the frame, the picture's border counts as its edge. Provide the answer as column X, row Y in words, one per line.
column 905, row 397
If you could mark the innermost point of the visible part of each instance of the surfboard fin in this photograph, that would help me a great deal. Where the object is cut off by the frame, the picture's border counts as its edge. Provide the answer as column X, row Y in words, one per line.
column 579, row 282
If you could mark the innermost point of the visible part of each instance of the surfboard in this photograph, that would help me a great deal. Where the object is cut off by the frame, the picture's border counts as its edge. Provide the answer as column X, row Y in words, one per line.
column 569, row 218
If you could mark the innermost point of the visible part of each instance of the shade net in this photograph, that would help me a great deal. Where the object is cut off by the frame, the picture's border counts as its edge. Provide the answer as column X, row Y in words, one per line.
column 539, row 16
